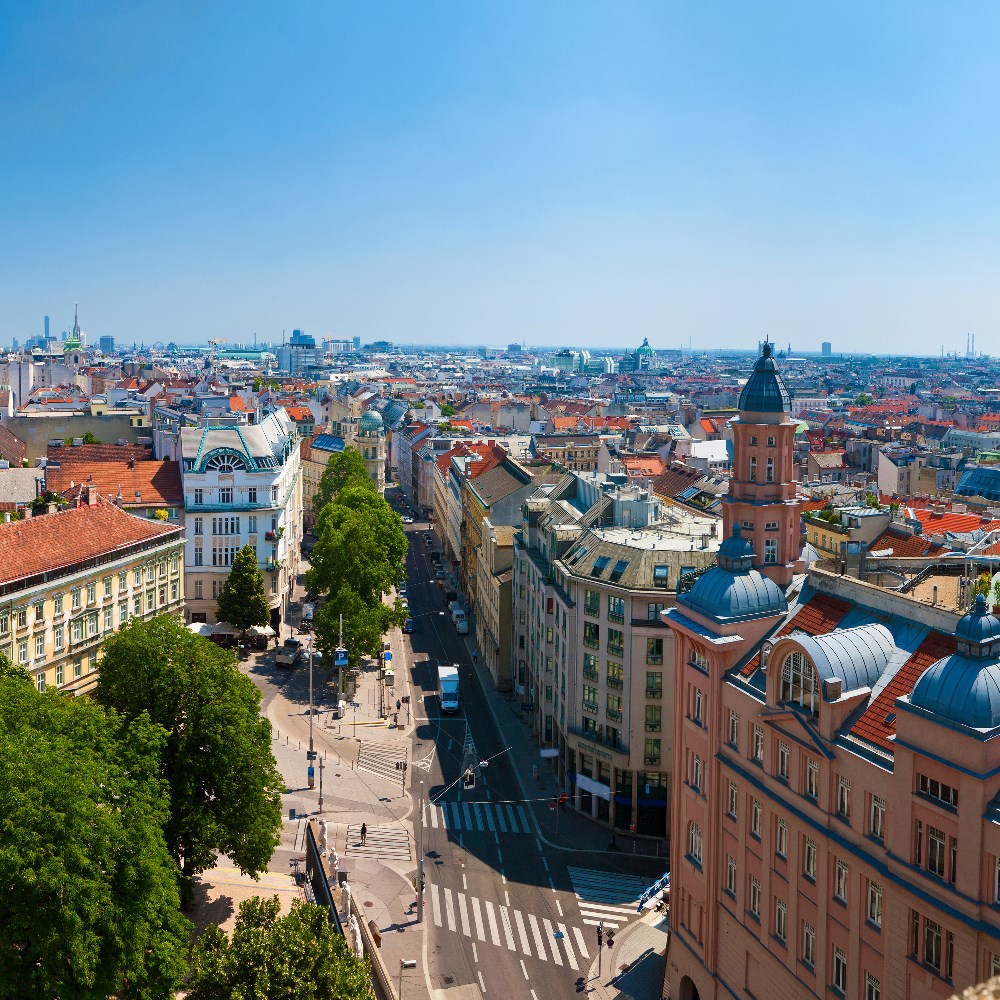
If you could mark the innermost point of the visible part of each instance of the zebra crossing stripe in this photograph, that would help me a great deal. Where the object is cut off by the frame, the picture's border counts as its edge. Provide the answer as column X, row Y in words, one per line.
column 478, row 814
column 524, row 819
column 539, row 945
column 505, row 919
column 522, row 933
column 550, row 934
column 580, row 943
column 500, row 820
column 491, row 917
column 449, row 907
column 463, row 912
column 489, row 819
column 570, row 954
column 456, row 817
column 477, row 915
column 435, row 904
column 467, row 815
column 513, row 820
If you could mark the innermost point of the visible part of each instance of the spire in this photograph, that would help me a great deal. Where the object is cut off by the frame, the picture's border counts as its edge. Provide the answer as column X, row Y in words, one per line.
column 76, row 320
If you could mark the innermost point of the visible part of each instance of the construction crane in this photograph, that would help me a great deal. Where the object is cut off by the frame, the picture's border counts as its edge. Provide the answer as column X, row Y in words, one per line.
column 211, row 347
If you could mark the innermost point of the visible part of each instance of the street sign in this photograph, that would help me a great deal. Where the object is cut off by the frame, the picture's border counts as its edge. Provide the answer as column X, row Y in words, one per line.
column 310, row 755
column 340, row 658
column 387, row 656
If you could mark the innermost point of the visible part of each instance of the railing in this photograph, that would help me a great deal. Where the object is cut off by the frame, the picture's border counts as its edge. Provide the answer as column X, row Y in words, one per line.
column 653, row 727
column 654, row 692
column 594, row 610
column 654, row 658
column 613, row 617
column 616, row 650
column 616, row 683
column 651, row 759
column 592, row 643
column 614, row 714
column 590, row 675
column 590, row 706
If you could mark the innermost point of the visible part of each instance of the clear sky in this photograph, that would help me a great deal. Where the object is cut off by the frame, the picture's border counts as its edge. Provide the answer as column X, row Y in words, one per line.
column 582, row 173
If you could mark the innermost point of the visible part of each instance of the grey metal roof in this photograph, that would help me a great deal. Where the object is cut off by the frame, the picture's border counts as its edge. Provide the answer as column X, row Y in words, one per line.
column 725, row 595
column 857, row 656
column 978, row 626
column 962, row 690
column 765, row 390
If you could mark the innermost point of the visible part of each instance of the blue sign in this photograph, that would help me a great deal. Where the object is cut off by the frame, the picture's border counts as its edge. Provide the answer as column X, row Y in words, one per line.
column 340, row 658
column 659, row 886
column 388, row 656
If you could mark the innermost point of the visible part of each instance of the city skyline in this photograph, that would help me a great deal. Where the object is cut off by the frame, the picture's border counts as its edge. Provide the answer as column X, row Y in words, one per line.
column 557, row 175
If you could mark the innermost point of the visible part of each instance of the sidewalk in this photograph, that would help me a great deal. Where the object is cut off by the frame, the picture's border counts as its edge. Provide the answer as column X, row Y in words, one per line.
column 634, row 968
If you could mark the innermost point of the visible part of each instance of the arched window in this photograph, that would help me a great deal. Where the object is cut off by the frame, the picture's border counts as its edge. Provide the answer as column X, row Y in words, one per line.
column 799, row 683
column 694, row 842
column 225, row 463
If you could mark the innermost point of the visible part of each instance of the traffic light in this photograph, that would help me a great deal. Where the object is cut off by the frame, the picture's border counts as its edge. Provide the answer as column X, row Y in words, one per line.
column 600, row 935
column 469, row 779
column 400, row 765
column 611, row 937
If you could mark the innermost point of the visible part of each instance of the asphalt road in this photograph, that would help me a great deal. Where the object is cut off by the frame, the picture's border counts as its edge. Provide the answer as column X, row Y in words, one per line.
column 504, row 912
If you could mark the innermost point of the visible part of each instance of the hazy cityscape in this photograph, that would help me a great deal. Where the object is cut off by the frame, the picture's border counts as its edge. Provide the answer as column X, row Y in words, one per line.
column 499, row 501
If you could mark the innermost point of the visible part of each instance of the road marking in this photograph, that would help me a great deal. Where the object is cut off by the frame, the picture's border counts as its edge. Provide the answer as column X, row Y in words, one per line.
column 489, row 820
column 467, row 815
column 463, row 912
column 558, row 904
column 478, row 917
column 435, row 904
column 533, row 997
column 482, row 985
column 505, row 919
column 499, row 857
column 580, row 942
column 570, row 954
column 478, row 814
column 552, row 884
column 506, row 897
column 537, row 934
column 503, row 877
column 449, row 906
column 491, row 917
column 550, row 934
column 456, row 817
column 465, row 884
column 500, row 820
column 545, row 863
column 513, row 821
column 523, row 969
column 522, row 933
column 434, row 817
column 524, row 819
column 539, row 845
column 475, row 953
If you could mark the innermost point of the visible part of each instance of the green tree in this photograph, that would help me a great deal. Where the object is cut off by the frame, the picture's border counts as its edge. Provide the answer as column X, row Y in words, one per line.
column 346, row 468
column 360, row 539
column 243, row 599
column 90, row 906
column 447, row 410
column 863, row 399
column 272, row 957
column 364, row 624
column 224, row 784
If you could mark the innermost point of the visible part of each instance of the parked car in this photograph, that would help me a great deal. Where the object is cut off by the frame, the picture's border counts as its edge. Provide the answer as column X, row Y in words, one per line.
column 289, row 654
column 407, row 519
column 408, row 626
column 402, row 593
column 428, row 539
column 439, row 573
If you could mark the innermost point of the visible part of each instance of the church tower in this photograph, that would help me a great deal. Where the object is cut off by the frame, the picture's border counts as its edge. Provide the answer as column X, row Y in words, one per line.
column 762, row 491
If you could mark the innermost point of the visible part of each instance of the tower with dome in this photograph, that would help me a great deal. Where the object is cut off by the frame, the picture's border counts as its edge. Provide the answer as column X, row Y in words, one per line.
column 371, row 443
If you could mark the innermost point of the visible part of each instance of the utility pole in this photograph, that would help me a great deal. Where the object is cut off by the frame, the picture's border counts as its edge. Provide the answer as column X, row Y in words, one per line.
column 310, row 698
column 340, row 677
column 420, row 860
column 321, row 781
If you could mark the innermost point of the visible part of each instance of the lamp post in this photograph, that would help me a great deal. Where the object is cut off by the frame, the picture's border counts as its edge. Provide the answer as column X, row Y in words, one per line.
column 420, row 859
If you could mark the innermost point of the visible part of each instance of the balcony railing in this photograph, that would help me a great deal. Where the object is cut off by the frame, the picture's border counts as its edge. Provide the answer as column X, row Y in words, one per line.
column 651, row 758
column 614, row 714
column 653, row 727
column 590, row 706
column 594, row 610
column 613, row 617
column 616, row 683
column 592, row 643
column 654, row 692
column 654, row 659
column 590, row 675
column 615, row 650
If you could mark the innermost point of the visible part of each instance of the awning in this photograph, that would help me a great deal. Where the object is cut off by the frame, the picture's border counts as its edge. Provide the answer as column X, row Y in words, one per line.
column 224, row 628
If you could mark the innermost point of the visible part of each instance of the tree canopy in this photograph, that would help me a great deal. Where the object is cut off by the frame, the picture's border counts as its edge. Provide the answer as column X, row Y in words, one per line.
column 364, row 624
column 90, row 906
column 243, row 599
column 272, row 957
column 223, row 781
column 347, row 468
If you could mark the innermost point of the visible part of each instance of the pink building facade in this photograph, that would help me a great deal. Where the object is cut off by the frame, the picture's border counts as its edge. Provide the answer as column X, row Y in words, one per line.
column 836, row 819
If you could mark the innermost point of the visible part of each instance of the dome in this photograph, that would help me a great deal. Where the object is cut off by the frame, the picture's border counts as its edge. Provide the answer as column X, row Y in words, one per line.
column 978, row 626
column 765, row 390
column 726, row 595
column 736, row 552
column 858, row 656
column 371, row 422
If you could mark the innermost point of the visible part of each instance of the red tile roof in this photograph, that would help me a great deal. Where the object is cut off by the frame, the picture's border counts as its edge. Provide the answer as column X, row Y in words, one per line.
column 875, row 724
column 158, row 482
column 939, row 524
column 90, row 453
column 55, row 541
column 12, row 447
column 818, row 616
column 905, row 545
column 675, row 479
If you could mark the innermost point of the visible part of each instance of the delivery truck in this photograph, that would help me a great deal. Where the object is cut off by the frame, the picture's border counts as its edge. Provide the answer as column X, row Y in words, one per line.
column 448, row 688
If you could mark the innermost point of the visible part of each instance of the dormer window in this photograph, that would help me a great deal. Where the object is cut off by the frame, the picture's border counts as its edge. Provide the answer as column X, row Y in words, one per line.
column 799, row 683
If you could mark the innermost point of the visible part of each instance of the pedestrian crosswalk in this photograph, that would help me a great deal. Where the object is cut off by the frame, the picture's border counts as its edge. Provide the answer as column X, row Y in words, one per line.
column 381, row 759
column 389, row 843
column 607, row 897
column 507, row 927
column 485, row 817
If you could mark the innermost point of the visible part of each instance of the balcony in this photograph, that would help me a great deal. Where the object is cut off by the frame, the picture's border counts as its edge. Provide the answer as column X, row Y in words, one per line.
column 653, row 727
column 613, row 617
column 654, row 692
column 592, row 643
column 594, row 610
column 651, row 759
column 616, row 683
column 654, row 660
column 618, row 651
column 614, row 714
column 590, row 675
column 590, row 706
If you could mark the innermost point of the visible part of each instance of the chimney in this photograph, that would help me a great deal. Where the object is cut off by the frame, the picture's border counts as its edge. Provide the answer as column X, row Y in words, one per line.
column 92, row 495
column 6, row 517
column 138, row 496
column 131, row 462
column 50, row 508
column 27, row 511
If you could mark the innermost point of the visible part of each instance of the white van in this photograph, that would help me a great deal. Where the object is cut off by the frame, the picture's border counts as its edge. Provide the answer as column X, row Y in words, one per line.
column 462, row 626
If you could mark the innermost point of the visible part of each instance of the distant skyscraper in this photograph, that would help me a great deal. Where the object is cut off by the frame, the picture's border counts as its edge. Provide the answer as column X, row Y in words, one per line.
column 827, row 348
column 107, row 345
column 46, row 327
column 357, row 343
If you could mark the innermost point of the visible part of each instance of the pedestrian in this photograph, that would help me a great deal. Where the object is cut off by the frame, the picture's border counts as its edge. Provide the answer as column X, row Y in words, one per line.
column 475, row 657
column 364, row 834
column 399, row 705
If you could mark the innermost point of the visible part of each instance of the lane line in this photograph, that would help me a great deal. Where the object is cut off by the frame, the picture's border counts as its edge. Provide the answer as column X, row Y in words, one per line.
column 482, row 985
column 506, row 897
column 478, row 917
column 523, row 969
column 558, row 904
column 550, row 935
column 545, row 863
column 465, row 884
column 475, row 952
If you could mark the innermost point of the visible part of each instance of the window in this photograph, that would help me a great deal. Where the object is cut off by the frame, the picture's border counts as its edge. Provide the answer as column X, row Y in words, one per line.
column 731, row 876
column 22, row 651
column 590, row 698
column 199, row 557
column 661, row 576
column 174, row 590
column 699, row 659
column 40, row 681
column 77, row 668
column 935, row 851
column 839, row 970
column 770, row 442
column 58, row 636
column 844, row 798
column 4, row 624
column 769, row 473
column 780, row 920
column 873, row 990
column 616, row 642
column 136, row 575
column 932, row 945
column 252, row 495
column 109, row 615
column 875, row 904
column 770, row 551
column 616, row 675
column 808, row 944
column 753, row 468
column 122, row 580
column 107, row 586
column 757, row 749
column 753, row 440
column 40, row 646
column 754, row 897
column 799, row 683
column 76, row 595
column 698, row 706
column 76, row 630
column 39, row 611
column 122, row 612
column 876, row 819
column 756, row 812
column 694, row 843
column 696, row 772
column 654, row 650
column 225, row 494
column 591, row 602
column 614, row 707
column 60, row 675
column 137, row 604
column 654, row 683
column 732, row 805
column 616, row 609
column 840, row 881
column 150, row 601
column 809, row 858
column 592, row 635
column 781, row 839
column 942, row 793
column 784, row 752
column 653, row 612
column 91, row 592
column 812, row 779
column 199, row 526
column 734, row 729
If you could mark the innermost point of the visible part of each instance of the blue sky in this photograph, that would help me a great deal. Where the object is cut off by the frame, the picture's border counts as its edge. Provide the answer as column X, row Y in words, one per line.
column 563, row 173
